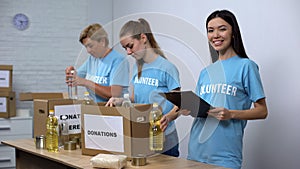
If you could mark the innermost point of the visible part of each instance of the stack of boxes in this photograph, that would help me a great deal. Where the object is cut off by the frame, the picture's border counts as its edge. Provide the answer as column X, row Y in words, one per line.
column 7, row 96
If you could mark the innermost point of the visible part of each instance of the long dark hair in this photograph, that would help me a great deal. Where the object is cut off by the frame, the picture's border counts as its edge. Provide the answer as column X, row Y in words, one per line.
column 134, row 29
column 236, row 41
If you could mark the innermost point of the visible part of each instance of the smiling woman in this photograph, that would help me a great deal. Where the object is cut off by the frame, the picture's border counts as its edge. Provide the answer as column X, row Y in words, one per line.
column 21, row 21
column 233, row 86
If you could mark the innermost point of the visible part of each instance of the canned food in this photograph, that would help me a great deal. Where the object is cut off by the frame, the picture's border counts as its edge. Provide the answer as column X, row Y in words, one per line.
column 70, row 145
column 77, row 141
column 40, row 142
column 139, row 161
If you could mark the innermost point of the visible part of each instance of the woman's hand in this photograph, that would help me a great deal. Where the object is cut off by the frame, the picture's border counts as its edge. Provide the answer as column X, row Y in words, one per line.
column 184, row 112
column 164, row 122
column 114, row 101
column 220, row 113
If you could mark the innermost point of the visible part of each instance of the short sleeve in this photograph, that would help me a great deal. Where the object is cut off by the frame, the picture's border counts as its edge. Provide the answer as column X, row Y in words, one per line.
column 120, row 73
column 82, row 70
column 252, row 82
column 173, row 78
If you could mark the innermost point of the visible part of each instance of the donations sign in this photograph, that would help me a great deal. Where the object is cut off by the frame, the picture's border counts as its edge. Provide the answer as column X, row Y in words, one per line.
column 73, row 113
column 103, row 132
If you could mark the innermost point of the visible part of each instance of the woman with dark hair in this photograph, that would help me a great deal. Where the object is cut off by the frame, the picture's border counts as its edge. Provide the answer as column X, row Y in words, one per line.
column 152, row 74
column 232, row 85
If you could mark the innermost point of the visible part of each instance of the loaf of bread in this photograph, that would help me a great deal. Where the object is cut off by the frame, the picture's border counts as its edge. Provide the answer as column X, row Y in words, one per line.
column 109, row 161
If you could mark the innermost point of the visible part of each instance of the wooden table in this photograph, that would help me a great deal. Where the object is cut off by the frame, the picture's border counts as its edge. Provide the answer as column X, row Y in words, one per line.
column 27, row 156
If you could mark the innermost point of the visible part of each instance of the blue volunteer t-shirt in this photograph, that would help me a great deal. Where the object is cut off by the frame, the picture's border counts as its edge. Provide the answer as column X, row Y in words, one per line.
column 113, row 69
column 157, row 76
column 235, row 84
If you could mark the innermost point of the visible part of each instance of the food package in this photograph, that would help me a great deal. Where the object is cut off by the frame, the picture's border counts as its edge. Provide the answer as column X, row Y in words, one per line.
column 109, row 161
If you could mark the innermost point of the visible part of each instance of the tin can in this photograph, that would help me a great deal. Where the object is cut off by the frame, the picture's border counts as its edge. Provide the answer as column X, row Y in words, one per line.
column 139, row 161
column 70, row 145
column 40, row 142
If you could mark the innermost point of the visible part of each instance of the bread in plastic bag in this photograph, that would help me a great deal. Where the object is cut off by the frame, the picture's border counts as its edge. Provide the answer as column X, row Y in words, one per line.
column 109, row 161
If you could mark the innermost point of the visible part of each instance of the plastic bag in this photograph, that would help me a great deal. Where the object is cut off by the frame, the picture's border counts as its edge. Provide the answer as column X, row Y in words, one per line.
column 109, row 161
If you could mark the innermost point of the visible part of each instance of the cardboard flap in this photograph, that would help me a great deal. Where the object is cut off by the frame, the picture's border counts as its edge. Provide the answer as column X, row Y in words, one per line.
column 29, row 96
column 9, row 94
column 6, row 67
column 140, row 113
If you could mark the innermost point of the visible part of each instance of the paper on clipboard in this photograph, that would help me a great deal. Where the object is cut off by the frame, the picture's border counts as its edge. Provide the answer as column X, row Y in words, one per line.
column 188, row 100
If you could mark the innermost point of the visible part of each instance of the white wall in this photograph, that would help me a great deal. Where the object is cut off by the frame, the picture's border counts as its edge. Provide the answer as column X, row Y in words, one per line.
column 269, row 30
column 40, row 54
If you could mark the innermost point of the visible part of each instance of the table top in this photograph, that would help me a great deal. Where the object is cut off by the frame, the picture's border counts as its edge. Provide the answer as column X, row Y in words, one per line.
column 75, row 159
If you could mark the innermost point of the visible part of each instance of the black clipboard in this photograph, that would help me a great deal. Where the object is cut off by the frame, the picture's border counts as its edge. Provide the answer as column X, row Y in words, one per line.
column 190, row 101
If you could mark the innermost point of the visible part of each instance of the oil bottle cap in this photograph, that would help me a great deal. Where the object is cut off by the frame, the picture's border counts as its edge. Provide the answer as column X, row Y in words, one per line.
column 155, row 104
column 51, row 111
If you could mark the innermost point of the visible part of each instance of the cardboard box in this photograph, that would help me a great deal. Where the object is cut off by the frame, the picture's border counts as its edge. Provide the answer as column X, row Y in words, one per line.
column 115, row 130
column 41, row 112
column 7, row 104
column 29, row 96
column 6, row 77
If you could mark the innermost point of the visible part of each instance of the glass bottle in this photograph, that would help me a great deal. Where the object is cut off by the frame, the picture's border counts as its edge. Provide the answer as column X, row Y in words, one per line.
column 52, row 132
column 156, row 135
column 126, row 101
column 64, row 126
column 72, row 90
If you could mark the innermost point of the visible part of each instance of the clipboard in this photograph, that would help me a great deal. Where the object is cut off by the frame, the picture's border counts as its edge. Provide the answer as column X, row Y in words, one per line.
column 188, row 100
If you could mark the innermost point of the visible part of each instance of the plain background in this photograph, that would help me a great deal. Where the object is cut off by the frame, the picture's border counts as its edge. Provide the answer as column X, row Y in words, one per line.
column 269, row 31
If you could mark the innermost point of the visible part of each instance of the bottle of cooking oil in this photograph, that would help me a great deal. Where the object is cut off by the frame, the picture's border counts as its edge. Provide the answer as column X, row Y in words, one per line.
column 87, row 100
column 156, row 134
column 52, row 132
